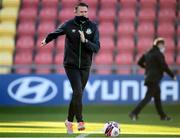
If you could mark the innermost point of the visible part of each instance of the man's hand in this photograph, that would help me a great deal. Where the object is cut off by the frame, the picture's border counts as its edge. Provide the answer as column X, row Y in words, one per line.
column 43, row 42
column 83, row 39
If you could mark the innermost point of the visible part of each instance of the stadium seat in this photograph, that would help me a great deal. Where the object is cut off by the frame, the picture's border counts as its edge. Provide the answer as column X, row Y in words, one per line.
column 107, row 15
column 9, row 14
column 146, row 29
column 167, row 4
column 26, row 28
column 147, row 15
column 7, row 44
column 169, row 57
column 6, row 59
column 68, row 3
column 128, row 3
column 126, row 29
column 58, row 61
column 126, row 45
column 66, row 14
column 107, row 44
column 22, row 61
column 60, row 44
column 48, row 14
column 144, row 44
column 25, row 43
column 8, row 29
column 148, row 4
column 30, row 3
column 167, row 15
column 10, row 3
column 28, row 14
column 50, row 3
column 166, row 29
column 124, row 61
column 103, row 61
column 92, row 13
column 127, row 15
column 44, row 61
column 106, row 29
column 178, row 60
column 91, row 3
column 45, row 27
column 108, row 4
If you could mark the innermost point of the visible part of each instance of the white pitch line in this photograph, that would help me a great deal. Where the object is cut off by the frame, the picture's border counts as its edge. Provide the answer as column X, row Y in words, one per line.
column 87, row 134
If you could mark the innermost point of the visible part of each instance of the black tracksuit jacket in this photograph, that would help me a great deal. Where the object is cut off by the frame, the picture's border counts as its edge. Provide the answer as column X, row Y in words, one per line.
column 77, row 54
column 155, row 65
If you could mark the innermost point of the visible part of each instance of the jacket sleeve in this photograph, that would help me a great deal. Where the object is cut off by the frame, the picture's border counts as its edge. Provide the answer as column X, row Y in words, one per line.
column 59, row 31
column 164, row 66
column 141, row 61
column 94, row 45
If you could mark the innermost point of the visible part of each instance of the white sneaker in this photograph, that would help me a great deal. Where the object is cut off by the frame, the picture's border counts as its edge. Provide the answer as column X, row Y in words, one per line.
column 69, row 127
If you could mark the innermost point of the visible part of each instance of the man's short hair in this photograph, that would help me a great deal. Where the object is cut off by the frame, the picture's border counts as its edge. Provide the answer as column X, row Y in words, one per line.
column 81, row 4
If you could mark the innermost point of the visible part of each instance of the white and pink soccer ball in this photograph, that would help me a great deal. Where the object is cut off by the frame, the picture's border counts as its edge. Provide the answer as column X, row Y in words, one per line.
column 111, row 129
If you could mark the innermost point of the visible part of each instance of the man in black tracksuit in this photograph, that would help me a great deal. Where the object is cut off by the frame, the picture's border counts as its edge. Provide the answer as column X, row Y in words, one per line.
column 154, row 63
column 82, row 40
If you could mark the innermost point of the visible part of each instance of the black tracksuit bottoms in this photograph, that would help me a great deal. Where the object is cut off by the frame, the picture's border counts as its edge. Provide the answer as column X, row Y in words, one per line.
column 153, row 90
column 78, row 79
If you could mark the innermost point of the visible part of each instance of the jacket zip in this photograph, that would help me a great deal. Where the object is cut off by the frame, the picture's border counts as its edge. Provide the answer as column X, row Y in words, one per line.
column 80, row 50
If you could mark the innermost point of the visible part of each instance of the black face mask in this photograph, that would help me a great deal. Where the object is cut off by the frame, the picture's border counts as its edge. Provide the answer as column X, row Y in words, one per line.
column 81, row 19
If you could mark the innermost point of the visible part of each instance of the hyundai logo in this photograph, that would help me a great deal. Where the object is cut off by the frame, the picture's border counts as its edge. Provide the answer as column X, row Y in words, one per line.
column 32, row 90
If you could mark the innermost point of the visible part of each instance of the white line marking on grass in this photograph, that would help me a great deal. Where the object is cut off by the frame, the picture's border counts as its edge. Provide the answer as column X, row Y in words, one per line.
column 87, row 134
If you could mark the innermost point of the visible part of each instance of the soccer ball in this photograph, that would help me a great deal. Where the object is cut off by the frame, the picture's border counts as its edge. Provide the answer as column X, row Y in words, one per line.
column 111, row 129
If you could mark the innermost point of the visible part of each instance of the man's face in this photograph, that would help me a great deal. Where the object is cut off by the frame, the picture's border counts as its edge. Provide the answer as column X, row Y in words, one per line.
column 82, row 11
column 161, row 47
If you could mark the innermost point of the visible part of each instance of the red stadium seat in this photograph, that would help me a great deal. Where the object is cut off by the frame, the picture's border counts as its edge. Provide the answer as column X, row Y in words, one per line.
column 26, row 28
column 167, row 4
column 60, row 44
column 92, row 13
column 167, row 15
column 128, row 3
column 125, row 45
column 68, row 3
column 125, row 60
column 44, row 28
column 50, row 3
column 108, row 4
column 166, row 30
column 66, row 14
column 30, row 3
column 144, row 44
column 28, row 14
column 23, row 59
column 147, row 15
column 169, row 57
column 91, row 3
column 102, row 60
column 58, row 61
column 48, row 14
column 178, row 30
column 146, row 29
column 106, row 29
column 178, row 60
column 126, row 29
column 25, row 43
column 127, row 15
column 170, row 45
column 148, row 4
column 45, row 60
column 107, row 15
column 107, row 44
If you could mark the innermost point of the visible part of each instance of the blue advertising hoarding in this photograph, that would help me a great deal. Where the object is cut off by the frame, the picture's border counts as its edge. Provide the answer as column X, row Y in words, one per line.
column 101, row 89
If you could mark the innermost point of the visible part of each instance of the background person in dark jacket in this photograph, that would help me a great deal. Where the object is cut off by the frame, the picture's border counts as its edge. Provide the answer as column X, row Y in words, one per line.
column 82, row 40
column 154, row 63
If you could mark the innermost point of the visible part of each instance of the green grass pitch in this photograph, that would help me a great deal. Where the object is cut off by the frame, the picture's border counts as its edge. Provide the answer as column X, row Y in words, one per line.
column 49, row 121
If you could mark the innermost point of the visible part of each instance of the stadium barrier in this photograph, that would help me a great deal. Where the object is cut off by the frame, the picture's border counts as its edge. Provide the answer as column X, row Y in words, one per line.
column 54, row 89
